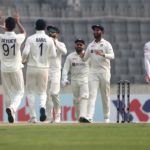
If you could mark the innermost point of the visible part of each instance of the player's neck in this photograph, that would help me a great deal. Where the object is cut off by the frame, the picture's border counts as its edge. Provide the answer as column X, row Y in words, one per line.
column 98, row 39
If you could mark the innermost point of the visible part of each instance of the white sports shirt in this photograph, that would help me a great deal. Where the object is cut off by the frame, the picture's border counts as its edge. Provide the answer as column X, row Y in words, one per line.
column 79, row 69
column 97, row 62
column 147, row 48
column 10, row 54
column 38, row 49
column 55, row 63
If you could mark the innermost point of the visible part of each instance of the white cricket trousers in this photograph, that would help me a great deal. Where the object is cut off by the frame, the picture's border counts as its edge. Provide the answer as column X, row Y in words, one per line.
column 13, row 86
column 99, row 81
column 53, row 98
column 80, row 92
column 36, row 84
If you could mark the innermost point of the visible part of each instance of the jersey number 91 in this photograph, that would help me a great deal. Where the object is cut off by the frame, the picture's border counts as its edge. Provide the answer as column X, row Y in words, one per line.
column 7, row 49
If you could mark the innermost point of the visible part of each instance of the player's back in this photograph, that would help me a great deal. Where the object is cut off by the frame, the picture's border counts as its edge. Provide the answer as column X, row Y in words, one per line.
column 41, row 49
column 10, row 54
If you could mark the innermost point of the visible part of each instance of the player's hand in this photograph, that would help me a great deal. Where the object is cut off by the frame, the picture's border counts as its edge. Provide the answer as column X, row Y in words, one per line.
column 16, row 17
column 24, row 62
column 3, row 27
column 147, row 79
column 1, row 14
column 82, row 54
column 2, row 20
column 99, row 52
column 65, row 83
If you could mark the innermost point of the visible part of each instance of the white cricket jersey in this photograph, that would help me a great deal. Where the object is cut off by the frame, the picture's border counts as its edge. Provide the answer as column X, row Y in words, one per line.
column 38, row 49
column 79, row 69
column 10, row 54
column 147, row 48
column 99, row 63
column 55, row 63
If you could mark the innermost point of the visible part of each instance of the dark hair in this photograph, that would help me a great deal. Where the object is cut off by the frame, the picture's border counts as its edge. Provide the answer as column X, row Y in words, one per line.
column 40, row 24
column 79, row 40
column 98, row 26
column 10, row 23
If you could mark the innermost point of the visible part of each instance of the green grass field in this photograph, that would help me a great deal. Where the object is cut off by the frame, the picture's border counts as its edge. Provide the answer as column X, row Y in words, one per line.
column 75, row 137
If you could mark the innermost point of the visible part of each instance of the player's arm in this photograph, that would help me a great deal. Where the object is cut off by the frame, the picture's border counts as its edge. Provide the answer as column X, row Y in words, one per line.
column 61, row 47
column 109, row 54
column 146, row 48
column 20, row 26
column 2, row 21
column 2, row 27
column 65, row 72
column 26, row 52
column 146, row 63
column 52, row 48
column 85, row 54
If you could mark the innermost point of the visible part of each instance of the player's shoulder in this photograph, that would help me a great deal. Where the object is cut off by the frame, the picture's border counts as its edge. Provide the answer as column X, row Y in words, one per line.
column 60, row 42
column 90, row 43
column 147, row 43
column 1, row 35
column 49, row 39
column 20, row 35
column 70, row 55
column 31, row 36
column 105, row 41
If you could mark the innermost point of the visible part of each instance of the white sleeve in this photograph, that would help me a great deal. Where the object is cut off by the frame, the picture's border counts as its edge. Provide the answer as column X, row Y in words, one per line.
column 87, row 54
column 66, row 70
column 26, row 51
column 52, row 48
column 21, row 37
column 109, row 52
column 146, row 48
column 61, row 47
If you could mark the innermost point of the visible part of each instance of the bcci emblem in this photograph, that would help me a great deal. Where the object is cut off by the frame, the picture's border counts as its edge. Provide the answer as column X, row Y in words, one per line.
column 73, row 64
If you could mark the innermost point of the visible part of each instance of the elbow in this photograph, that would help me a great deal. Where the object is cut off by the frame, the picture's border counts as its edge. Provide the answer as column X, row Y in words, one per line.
column 65, row 53
column 113, row 57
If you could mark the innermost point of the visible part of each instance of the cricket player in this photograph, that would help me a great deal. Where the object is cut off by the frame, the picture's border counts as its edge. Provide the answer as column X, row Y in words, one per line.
column 11, row 65
column 79, row 79
column 39, row 48
column 53, row 89
column 100, row 53
column 147, row 61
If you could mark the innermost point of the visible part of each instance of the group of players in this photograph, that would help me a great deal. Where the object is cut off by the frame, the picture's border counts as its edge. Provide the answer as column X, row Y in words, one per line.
column 90, row 70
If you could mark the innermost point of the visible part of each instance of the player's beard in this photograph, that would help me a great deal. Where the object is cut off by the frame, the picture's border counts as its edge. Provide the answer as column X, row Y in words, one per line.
column 79, row 50
column 52, row 35
column 97, row 36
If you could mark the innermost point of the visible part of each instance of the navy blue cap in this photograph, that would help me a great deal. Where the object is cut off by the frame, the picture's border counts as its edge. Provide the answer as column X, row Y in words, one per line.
column 80, row 40
column 98, row 26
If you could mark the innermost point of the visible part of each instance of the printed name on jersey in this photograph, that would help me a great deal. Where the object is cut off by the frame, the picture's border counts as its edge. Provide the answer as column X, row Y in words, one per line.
column 40, row 40
column 78, row 64
column 92, row 51
column 8, row 40
column 101, row 45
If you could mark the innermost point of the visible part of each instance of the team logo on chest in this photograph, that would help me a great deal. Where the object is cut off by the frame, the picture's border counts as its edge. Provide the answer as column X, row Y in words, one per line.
column 73, row 63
